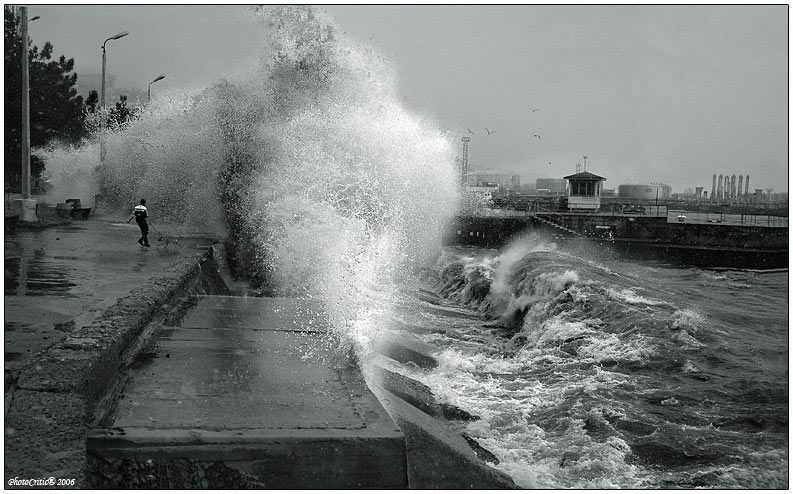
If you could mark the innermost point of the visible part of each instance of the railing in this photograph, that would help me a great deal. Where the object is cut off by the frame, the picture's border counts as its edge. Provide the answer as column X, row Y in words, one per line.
column 728, row 219
column 535, row 209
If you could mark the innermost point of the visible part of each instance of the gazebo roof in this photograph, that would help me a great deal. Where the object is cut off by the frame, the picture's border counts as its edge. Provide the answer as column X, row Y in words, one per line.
column 586, row 176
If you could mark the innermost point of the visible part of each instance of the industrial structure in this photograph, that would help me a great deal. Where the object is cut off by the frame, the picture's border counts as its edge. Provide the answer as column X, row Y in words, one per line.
column 726, row 189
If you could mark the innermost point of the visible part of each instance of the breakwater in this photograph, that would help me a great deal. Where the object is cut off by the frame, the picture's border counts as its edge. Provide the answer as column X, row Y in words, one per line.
column 701, row 244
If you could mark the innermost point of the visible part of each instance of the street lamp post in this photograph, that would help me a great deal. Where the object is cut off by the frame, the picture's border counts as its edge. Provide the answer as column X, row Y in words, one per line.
column 159, row 78
column 23, row 13
column 102, row 102
column 104, row 60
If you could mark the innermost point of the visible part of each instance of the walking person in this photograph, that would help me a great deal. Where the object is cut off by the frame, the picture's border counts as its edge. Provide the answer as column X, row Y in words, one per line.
column 140, row 214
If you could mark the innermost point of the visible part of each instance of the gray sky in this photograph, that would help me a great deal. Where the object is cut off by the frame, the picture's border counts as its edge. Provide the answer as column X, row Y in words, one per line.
column 660, row 93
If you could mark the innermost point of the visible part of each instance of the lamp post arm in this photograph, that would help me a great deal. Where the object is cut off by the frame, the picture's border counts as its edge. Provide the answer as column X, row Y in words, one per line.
column 158, row 78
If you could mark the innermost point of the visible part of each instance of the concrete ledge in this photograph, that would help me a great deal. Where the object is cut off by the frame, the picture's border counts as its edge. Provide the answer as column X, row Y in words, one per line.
column 174, row 474
column 407, row 350
column 284, row 459
column 438, row 458
column 418, row 395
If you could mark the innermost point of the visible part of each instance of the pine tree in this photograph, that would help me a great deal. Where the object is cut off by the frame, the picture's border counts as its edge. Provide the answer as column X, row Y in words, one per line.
column 56, row 111
column 120, row 116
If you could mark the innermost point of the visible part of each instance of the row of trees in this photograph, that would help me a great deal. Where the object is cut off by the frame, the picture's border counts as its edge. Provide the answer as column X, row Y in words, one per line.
column 57, row 113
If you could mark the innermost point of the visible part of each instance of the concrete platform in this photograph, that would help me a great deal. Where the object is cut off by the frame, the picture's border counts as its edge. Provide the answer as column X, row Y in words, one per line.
column 255, row 389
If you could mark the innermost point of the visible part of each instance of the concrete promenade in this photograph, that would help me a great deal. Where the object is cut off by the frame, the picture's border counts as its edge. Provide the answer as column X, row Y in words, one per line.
column 75, row 296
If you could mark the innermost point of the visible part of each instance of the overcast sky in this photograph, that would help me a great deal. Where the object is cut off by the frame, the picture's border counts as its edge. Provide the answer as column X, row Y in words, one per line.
column 659, row 93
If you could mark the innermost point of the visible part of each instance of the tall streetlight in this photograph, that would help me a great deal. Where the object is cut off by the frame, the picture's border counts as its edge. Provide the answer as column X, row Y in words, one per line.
column 104, row 59
column 159, row 78
column 23, row 14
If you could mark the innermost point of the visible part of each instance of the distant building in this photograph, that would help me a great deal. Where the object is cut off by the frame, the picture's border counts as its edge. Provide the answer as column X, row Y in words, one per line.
column 527, row 188
column 683, row 196
column 501, row 180
column 642, row 191
column 610, row 193
column 583, row 191
column 88, row 82
column 552, row 185
column 484, row 190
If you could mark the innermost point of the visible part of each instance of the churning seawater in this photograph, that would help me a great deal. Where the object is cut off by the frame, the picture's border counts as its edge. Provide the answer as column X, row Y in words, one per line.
column 583, row 373
column 599, row 373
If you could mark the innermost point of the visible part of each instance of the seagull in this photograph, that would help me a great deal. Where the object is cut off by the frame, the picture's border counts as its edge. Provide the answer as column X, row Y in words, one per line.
column 537, row 136
column 489, row 132
column 534, row 110
column 469, row 130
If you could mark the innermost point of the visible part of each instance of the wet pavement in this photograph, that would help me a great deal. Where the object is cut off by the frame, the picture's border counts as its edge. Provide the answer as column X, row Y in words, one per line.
column 266, row 392
column 61, row 278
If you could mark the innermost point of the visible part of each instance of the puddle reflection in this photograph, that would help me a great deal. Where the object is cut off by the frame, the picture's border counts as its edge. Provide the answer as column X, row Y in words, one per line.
column 37, row 275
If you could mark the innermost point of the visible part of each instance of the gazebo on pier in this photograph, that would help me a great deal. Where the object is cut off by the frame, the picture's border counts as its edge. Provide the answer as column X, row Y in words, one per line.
column 583, row 191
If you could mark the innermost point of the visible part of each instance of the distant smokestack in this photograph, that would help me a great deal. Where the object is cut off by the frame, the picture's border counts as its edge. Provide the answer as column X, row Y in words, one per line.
column 732, row 187
column 747, row 185
column 739, row 193
column 726, row 186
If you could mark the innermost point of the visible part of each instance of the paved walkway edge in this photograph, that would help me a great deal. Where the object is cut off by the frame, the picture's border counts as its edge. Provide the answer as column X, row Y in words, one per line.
column 54, row 400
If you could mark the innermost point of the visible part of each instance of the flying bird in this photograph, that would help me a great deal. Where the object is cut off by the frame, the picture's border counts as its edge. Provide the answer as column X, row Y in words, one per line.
column 489, row 132
column 469, row 130
column 534, row 110
column 537, row 136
